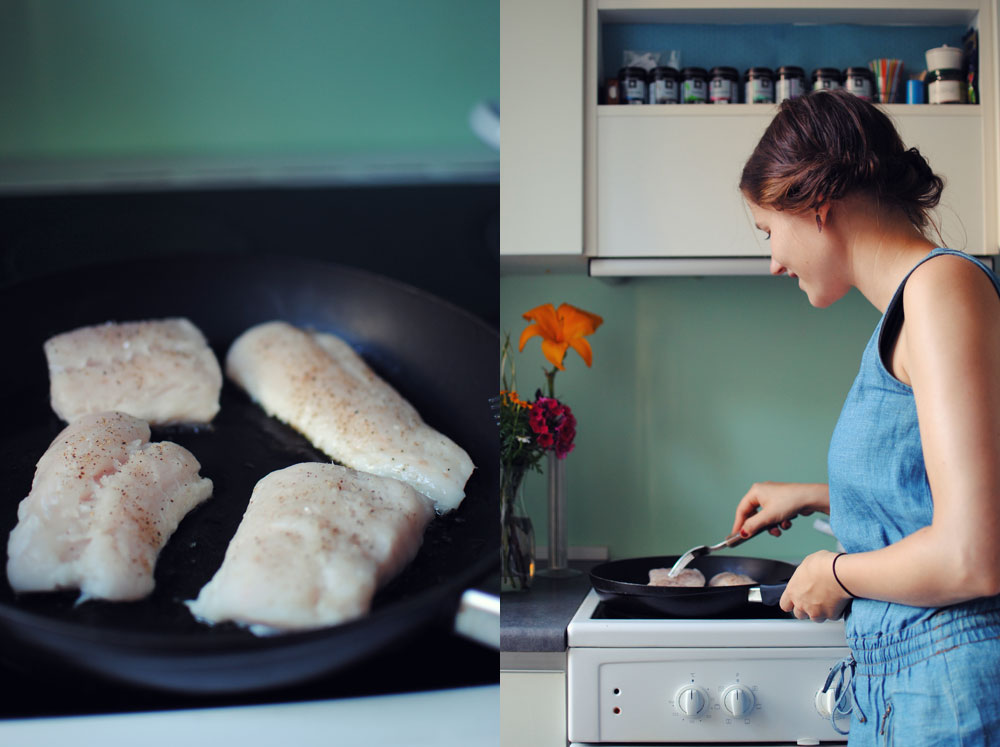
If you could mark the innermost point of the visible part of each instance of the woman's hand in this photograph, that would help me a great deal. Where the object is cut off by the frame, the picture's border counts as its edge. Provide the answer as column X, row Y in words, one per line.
column 813, row 592
column 775, row 504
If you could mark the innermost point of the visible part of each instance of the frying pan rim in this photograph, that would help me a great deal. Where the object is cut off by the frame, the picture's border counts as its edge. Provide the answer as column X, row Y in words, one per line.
column 271, row 257
column 428, row 602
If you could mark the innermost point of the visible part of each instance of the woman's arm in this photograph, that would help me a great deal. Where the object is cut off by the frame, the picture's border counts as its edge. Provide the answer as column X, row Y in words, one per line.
column 949, row 352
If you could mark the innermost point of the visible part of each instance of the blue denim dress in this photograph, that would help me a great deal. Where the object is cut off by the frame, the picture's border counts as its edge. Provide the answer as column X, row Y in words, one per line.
column 922, row 676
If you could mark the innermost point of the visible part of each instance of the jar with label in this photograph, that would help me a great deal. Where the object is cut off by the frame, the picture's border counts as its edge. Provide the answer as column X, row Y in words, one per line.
column 663, row 87
column 694, row 85
column 632, row 85
column 758, row 87
column 860, row 81
column 723, row 88
column 827, row 78
column 791, row 83
column 945, row 87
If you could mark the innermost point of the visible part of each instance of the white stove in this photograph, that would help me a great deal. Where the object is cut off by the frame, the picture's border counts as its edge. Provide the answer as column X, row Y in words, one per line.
column 681, row 681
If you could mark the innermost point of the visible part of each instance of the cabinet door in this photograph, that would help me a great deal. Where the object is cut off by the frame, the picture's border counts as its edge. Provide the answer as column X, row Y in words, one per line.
column 953, row 146
column 532, row 709
column 667, row 184
column 541, row 127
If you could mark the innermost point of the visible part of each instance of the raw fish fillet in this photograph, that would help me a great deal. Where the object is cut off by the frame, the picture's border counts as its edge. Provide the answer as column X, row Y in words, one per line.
column 314, row 544
column 317, row 384
column 160, row 371
column 103, row 503
column 728, row 578
column 687, row 577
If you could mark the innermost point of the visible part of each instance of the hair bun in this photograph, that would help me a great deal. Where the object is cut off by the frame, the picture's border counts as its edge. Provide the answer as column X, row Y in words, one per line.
column 914, row 184
column 826, row 145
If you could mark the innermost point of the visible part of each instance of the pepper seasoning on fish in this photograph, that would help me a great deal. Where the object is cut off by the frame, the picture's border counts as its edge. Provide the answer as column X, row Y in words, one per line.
column 317, row 384
column 103, row 503
column 314, row 544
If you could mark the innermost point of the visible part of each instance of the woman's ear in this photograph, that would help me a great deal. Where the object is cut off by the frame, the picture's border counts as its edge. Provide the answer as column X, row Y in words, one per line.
column 822, row 215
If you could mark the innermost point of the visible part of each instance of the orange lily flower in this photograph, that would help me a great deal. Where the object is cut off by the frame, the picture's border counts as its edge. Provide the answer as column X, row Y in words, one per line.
column 561, row 329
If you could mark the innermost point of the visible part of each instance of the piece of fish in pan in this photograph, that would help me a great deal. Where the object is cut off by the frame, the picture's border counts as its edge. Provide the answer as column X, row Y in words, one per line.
column 161, row 371
column 318, row 385
column 687, row 577
column 729, row 578
column 314, row 544
column 103, row 503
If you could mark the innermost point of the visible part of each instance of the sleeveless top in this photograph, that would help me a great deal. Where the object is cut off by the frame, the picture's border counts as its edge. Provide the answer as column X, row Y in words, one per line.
column 879, row 491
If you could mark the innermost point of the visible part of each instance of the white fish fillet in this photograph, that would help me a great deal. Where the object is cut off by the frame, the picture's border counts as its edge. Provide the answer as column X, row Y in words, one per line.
column 317, row 384
column 314, row 544
column 161, row 371
column 103, row 503
column 687, row 577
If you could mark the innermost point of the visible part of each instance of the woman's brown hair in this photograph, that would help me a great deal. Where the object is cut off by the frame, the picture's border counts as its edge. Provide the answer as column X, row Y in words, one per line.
column 826, row 145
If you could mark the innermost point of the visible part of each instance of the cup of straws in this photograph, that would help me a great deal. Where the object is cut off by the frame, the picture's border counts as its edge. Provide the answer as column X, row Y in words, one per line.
column 887, row 75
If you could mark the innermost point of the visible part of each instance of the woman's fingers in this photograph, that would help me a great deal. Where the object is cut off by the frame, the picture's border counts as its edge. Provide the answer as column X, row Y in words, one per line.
column 746, row 508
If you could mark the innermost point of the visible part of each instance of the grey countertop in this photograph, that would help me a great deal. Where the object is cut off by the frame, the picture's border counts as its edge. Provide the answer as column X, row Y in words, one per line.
column 536, row 620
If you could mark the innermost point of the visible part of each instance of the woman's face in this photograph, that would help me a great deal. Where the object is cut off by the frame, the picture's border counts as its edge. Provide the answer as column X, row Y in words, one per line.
column 800, row 250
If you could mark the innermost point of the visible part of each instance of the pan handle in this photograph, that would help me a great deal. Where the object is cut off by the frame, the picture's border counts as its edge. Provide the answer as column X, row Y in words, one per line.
column 478, row 617
column 769, row 595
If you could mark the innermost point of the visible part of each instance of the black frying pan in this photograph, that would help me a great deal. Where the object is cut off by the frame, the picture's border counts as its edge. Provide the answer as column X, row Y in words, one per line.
column 440, row 358
column 624, row 585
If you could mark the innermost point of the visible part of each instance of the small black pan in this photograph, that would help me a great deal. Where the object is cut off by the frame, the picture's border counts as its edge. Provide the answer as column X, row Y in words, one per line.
column 624, row 585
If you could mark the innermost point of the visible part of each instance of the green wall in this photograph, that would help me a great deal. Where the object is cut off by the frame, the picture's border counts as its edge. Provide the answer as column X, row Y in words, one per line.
column 699, row 387
column 119, row 78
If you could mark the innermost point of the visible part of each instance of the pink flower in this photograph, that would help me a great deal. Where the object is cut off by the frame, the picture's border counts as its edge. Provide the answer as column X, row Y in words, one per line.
column 554, row 424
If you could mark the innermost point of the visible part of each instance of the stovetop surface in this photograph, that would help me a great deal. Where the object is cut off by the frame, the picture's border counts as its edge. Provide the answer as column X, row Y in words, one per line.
column 595, row 624
column 604, row 611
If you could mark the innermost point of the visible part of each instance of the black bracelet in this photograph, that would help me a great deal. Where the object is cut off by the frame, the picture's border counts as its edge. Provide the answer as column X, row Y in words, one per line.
column 837, row 578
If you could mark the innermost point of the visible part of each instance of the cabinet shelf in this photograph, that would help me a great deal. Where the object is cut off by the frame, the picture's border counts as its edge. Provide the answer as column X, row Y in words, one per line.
column 762, row 12
column 896, row 111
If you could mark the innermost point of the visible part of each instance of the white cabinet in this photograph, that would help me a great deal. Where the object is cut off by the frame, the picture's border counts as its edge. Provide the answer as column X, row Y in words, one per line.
column 661, row 181
column 666, row 183
column 541, row 127
column 532, row 709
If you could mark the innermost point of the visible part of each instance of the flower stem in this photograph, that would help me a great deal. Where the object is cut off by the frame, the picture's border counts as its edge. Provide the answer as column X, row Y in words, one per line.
column 550, row 377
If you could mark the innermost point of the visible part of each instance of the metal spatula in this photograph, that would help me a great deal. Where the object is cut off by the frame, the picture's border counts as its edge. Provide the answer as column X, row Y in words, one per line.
column 696, row 552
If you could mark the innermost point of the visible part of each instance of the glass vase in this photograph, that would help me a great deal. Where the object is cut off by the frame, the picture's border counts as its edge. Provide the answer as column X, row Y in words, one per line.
column 517, row 536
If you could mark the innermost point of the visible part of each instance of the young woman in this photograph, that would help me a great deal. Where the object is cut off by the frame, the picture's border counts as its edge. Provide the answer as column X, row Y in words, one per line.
column 914, row 462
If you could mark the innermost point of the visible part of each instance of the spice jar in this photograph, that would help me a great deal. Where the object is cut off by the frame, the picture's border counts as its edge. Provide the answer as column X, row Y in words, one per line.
column 826, row 78
column 791, row 83
column 723, row 87
column 759, row 86
column 945, row 87
column 632, row 82
column 663, row 88
column 694, row 85
column 860, row 82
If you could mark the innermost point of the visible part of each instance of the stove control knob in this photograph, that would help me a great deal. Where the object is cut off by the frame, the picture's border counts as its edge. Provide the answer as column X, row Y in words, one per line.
column 691, row 700
column 738, row 700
